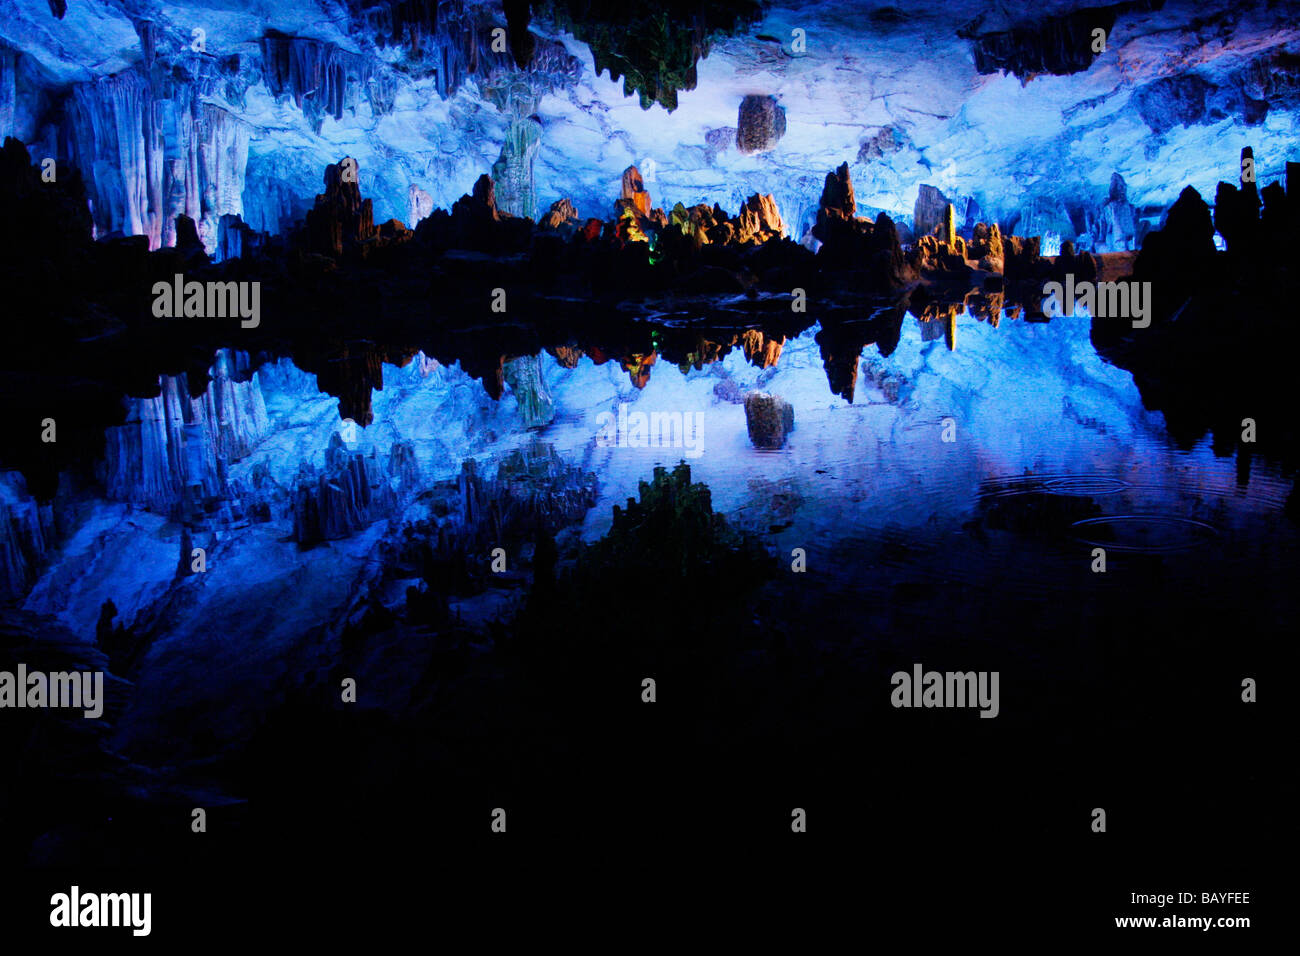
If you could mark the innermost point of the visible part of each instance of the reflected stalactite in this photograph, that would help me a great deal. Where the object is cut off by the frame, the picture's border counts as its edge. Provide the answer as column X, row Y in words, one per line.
column 841, row 351
column 638, row 368
column 760, row 349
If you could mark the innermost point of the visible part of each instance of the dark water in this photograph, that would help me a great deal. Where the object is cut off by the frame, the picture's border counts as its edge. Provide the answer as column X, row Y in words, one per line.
column 1118, row 688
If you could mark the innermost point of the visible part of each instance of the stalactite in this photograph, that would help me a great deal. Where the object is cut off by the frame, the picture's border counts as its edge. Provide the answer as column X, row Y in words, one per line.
column 151, row 154
column 322, row 79
column 351, row 493
column 174, row 447
column 26, row 533
column 8, row 91
column 445, row 39
column 524, row 376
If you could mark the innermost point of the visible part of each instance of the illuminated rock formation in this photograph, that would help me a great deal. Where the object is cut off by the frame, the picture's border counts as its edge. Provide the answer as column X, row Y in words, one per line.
column 561, row 213
column 1117, row 225
column 340, row 218
column 524, row 376
column 760, row 124
column 175, row 450
column 634, row 195
column 759, row 220
column 351, row 493
column 769, row 419
column 929, row 211
column 760, row 349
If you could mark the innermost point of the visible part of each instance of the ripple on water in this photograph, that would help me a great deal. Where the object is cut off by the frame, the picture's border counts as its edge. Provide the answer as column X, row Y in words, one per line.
column 1147, row 533
column 1081, row 486
column 1084, row 486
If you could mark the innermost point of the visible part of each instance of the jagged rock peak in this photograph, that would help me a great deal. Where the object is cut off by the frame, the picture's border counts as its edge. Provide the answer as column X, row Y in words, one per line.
column 562, row 211
column 837, row 194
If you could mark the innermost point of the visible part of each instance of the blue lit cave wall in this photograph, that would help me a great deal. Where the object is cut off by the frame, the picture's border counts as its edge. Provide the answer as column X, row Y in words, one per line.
column 999, row 113
column 221, row 112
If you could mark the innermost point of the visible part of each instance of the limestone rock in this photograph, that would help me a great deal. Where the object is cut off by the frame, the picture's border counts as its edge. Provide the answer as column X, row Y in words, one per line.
column 341, row 218
column 174, row 449
column 760, row 125
column 27, row 530
column 837, row 194
column 718, row 141
column 634, row 193
column 760, row 348
column 1116, row 229
column 1180, row 256
column 838, row 226
column 561, row 212
column 1057, row 44
column 513, row 171
column 889, row 140
column 566, row 355
column 760, row 220
column 928, row 213
column 352, row 493
column 421, row 205
column 986, row 247
column 403, row 466
column 769, row 418
column 524, row 376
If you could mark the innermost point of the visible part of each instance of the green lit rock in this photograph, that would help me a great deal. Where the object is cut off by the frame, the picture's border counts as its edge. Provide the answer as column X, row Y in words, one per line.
column 524, row 376
column 654, row 48
column 512, row 173
column 672, row 534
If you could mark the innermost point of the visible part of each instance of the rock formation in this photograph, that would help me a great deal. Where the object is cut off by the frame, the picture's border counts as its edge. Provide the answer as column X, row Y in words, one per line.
column 351, row 493
column 759, row 125
column 928, row 213
column 340, row 218
column 759, row 220
column 27, row 530
column 524, row 376
column 320, row 78
column 512, row 173
column 769, row 418
column 560, row 214
column 420, row 205
column 173, row 452
column 1117, row 225
column 1053, row 44
column 761, row 349
column 1180, row 255
column 151, row 151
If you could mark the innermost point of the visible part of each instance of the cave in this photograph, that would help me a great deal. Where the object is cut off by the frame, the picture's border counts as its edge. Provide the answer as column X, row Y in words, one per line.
column 398, row 388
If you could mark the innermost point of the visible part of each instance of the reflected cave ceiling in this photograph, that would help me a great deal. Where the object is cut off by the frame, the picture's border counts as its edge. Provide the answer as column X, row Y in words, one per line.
column 1002, row 105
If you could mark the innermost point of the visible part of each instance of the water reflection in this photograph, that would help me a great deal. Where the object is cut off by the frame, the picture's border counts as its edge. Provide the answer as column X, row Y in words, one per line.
column 493, row 573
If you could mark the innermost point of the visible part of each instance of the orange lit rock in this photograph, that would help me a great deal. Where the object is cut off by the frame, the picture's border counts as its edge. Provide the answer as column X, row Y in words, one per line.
column 760, row 349
column 760, row 220
column 634, row 192
column 638, row 368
